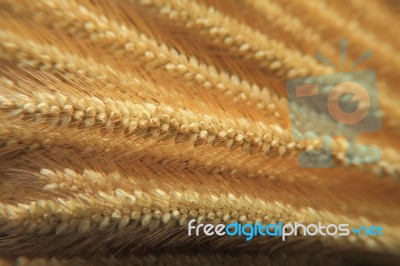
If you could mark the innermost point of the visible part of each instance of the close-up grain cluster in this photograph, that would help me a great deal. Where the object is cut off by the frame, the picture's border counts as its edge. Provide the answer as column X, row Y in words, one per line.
column 122, row 120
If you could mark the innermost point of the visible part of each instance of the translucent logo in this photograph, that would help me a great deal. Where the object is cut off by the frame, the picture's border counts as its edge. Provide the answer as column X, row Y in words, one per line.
column 342, row 104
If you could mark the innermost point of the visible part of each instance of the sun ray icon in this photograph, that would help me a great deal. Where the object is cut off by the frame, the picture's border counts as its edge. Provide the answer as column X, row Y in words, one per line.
column 343, row 53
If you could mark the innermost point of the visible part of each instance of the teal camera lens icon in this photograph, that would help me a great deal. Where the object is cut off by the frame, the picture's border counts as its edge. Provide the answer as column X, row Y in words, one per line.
column 337, row 105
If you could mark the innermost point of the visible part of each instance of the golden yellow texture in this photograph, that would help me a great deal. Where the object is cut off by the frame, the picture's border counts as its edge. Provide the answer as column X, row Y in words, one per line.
column 122, row 120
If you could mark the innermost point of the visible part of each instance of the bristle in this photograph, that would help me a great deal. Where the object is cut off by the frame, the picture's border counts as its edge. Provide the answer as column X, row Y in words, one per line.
column 123, row 121
column 239, row 39
column 92, row 112
column 88, row 208
column 147, row 51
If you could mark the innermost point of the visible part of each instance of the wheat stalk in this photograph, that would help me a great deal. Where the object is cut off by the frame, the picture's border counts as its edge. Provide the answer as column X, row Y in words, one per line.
column 97, row 200
column 147, row 51
column 120, row 121
column 92, row 112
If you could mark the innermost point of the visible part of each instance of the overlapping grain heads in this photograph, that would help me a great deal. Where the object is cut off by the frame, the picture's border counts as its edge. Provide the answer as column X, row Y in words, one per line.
column 237, row 38
column 240, row 90
column 113, row 140
column 35, row 55
column 360, row 41
column 95, row 202
column 251, row 141
column 219, row 28
column 290, row 25
column 123, row 41
column 374, row 16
